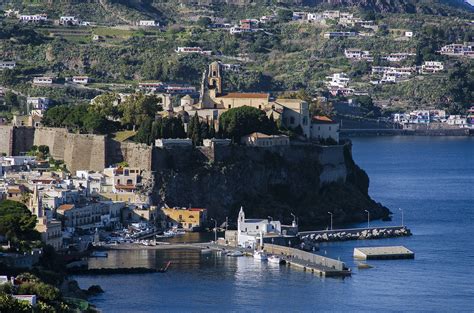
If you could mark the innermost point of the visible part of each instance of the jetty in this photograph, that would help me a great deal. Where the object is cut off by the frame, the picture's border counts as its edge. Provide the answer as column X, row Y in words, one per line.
column 320, row 265
column 354, row 234
column 383, row 253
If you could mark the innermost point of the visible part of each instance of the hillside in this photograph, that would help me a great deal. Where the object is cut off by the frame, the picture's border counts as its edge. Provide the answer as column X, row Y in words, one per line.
column 283, row 55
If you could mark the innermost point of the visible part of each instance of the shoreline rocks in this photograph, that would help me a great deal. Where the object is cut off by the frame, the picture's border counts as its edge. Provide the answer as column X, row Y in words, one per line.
column 375, row 233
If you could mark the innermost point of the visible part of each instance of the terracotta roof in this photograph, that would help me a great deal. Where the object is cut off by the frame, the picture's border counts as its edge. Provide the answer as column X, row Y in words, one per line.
column 66, row 207
column 322, row 119
column 125, row 186
column 246, row 95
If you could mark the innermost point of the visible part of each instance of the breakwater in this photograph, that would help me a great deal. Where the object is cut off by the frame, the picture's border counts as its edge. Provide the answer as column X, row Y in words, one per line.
column 347, row 133
column 354, row 234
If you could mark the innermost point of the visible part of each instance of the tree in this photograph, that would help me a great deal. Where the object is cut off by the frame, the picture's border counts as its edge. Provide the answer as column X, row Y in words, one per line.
column 16, row 221
column 204, row 21
column 144, row 132
column 137, row 108
column 11, row 99
column 242, row 121
column 104, row 105
column 284, row 15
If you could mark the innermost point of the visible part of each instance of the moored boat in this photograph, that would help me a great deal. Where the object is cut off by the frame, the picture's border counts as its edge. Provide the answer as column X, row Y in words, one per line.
column 235, row 253
column 274, row 259
column 260, row 255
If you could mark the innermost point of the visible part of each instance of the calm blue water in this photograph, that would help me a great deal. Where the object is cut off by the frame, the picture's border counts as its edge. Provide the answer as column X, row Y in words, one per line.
column 432, row 179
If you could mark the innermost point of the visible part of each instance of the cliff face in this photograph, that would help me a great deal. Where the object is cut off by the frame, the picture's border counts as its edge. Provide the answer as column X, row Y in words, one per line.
column 306, row 180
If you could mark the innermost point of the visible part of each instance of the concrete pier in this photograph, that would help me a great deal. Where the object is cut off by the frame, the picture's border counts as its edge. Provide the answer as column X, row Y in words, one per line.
column 383, row 253
column 320, row 265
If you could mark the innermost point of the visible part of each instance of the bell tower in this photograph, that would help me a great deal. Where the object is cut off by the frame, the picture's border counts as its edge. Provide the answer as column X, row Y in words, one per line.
column 214, row 78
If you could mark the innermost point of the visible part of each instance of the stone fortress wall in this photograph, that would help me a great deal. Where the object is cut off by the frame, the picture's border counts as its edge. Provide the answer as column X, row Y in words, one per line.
column 15, row 140
column 96, row 152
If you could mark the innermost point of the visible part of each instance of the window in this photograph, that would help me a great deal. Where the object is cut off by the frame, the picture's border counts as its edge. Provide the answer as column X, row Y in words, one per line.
column 129, row 182
column 256, row 227
column 229, row 106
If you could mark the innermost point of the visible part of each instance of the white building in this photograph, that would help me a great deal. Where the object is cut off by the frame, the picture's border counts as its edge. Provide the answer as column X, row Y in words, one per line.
column 315, row 17
column 340, row 80
column 331, row 14
column 249, row 231
column 43, row 80
column 323, row 128
column 37, row 104
column 68, row 20
column 7, row 65
column 457, row 120
column 409, row 34
column 163, row 143
column 265, row 141
column 357, row 54
column 198, row 50
column 33, row 18
column 148, row 23
column 80, row 79
column 430, row 67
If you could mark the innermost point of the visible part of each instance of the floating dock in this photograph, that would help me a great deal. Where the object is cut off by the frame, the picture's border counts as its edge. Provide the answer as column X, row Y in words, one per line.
column 383, row 253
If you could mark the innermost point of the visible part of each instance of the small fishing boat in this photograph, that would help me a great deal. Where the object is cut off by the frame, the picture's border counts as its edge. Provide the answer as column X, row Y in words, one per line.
column 235, row 253
column 99, row 254
column 260, row 255
column 274, row 259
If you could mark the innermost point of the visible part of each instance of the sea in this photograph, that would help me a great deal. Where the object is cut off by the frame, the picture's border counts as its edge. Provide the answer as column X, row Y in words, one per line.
column 429, row 179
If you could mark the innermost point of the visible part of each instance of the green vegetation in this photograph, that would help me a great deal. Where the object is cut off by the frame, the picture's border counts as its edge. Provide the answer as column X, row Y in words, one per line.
column 245, row 120
column 286, row 55
column 17, row 223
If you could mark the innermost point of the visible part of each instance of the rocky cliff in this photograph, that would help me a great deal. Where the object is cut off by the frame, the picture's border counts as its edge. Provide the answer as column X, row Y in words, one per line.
column 306, row 180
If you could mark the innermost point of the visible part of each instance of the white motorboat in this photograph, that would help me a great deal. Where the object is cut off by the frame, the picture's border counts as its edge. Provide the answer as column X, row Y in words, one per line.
column 274, row 259
column 99, row 254
column 235, row 253
column 260, row 255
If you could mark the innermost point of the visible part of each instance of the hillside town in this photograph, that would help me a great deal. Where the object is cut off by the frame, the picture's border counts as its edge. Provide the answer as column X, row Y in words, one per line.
column 130, row 128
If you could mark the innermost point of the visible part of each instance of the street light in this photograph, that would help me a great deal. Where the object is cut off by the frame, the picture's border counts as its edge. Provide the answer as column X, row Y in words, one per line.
column 294, row 219
column 368, row 218
column 401, row 210
column 330, row 213
column 215, row 230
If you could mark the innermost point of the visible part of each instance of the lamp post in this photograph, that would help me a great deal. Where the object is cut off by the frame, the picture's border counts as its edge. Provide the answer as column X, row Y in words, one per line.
column 368, row 218
column 401, row 210
column 215, row 230
column 330, row 213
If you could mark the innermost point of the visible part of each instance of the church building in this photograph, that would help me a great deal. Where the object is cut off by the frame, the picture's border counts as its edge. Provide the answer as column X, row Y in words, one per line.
column 214, row 100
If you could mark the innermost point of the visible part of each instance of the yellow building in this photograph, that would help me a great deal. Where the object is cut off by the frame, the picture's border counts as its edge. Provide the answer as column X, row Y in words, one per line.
column 190, row 219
